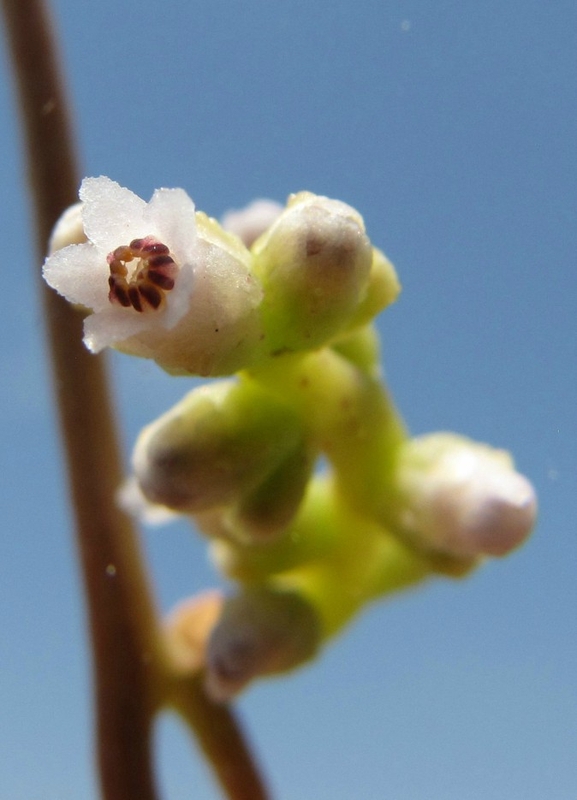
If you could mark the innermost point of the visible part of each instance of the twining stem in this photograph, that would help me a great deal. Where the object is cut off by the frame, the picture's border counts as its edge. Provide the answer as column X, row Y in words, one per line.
column 121, row 616
column 220, row 739
column 130, row 672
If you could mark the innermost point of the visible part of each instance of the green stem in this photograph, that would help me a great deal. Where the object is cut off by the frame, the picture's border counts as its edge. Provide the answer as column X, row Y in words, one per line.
column 350, row 417
column 130, row 671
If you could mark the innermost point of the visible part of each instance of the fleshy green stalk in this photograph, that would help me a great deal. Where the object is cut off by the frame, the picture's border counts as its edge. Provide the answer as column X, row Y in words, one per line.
column 350, row 417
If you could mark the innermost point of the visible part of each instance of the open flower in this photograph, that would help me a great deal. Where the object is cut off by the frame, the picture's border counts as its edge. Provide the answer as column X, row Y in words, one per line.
column 135, row 272
column 161, row 280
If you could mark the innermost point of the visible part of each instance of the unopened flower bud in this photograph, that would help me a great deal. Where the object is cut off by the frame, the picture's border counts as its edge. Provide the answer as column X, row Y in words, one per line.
column 218, row 445
column 188, row 627
column 68, row 230
column 382, row 290
column 261, row 631
column 362, row 347
column 263, row 514
column 314, row 264
column 250, row 222
column 463, row 498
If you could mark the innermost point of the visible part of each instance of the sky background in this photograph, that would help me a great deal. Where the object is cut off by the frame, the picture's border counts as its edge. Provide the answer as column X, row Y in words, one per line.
column 451, row 127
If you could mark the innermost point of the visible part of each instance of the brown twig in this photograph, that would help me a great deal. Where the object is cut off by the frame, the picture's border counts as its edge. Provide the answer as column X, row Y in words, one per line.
column 128, row 664
column 221, row 739
column 107, row 544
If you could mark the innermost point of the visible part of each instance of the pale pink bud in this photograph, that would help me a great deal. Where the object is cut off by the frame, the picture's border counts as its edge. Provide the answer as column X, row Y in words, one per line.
column 464, row 498
column 250, row 222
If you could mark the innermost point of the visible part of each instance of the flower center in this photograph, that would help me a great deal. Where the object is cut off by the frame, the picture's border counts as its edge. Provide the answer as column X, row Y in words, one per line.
column 144, row 285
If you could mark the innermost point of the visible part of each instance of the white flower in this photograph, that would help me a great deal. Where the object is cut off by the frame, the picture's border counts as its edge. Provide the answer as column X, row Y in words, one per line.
column 161, row 280
column 116, row 221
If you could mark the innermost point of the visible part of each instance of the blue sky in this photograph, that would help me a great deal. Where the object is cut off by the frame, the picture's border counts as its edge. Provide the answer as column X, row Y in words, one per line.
column 451, row 127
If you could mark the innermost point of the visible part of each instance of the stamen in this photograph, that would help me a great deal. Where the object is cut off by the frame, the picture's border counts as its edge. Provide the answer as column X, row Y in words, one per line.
column 161, row 261
column 134, row 296
column 156, row 247
column 151, row 294
column 153, row 274
column 161, row 280
column 118, row 290
column 123, row 253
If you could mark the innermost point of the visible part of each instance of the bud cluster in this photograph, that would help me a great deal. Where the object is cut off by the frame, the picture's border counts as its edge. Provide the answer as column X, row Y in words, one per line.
column 283, row 301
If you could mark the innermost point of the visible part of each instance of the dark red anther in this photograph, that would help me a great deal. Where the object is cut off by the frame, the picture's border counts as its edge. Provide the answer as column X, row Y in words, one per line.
column 160, row 261
column 118, row 293
column 155, row 248
column 134, row 296
column 151, row 294
column 161, row 280
column 142, row 287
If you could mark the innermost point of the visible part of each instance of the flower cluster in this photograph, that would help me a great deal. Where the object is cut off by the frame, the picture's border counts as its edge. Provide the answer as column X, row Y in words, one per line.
column 282, row 304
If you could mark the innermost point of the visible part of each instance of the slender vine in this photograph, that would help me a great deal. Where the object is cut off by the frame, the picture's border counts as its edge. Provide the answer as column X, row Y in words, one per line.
column 132, row 674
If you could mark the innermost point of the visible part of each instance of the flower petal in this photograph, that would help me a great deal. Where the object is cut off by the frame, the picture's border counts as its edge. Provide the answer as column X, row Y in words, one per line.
column 115, row 324
column 171, row 217
column 112, row 214
column 178, row 299
column 80, row 274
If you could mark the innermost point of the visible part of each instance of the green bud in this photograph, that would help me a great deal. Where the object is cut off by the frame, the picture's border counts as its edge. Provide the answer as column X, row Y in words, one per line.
column 362, row 560
column 217, row 446
column 314, row 264
column 362, row 348
column 262, row 631
column 263, row 514
column 383, row 289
